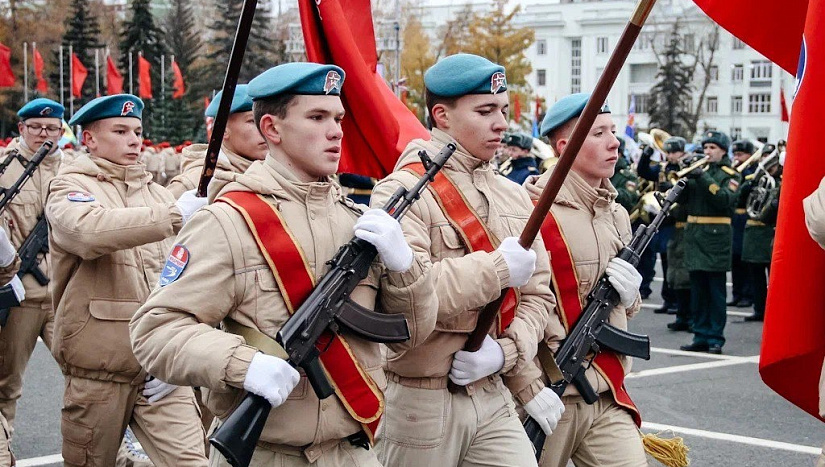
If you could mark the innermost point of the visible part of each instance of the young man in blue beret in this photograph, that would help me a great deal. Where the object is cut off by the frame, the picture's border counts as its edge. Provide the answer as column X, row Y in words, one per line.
column 41, row 120
column 250, row 283
column 466, row 225
column 111, row 228
column 589, row 227
column 241, row 146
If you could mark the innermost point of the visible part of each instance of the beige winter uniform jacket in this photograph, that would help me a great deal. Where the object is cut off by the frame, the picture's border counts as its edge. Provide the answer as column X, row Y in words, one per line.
column 107, row 254
column 192, row 166
column 596, row 228
column 467, row 282
column 175, row 333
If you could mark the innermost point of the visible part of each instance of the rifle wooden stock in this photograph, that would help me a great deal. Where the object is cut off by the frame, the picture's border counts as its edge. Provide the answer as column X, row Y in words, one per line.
column 228, row 89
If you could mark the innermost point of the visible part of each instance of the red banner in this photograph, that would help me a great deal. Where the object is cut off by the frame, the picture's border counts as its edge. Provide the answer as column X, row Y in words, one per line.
column 7, row 78
column 177, row 84
column 114, row 80
column 79, row 74
column 144, row 78
column 42, row 85
column 517, row 109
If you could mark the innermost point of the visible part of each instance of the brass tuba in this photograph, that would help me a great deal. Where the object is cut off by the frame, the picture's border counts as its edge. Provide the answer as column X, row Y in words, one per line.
column 764, row 190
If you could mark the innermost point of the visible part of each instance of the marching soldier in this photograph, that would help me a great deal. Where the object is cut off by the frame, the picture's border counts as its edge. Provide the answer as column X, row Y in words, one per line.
column 464, row 224
column 9, row 265
column 709, row 198
column 40, row 121
column 740, row 276
column 677, row 276
column 110, row 229
column 242, row 144
column 221, row 274
column 521, row 164
column 593, row 228
column 625, row 181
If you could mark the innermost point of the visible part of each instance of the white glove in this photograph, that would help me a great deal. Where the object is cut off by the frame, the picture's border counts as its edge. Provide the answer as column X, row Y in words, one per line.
column 188, row 203
column 546, row 409
column 7, row 250
column 625, row 279
column 17, row 288
column 384, row 232
column 155, row 389
column 651, row 208
column 520, row 262
column 271, row 378
column 472, row 366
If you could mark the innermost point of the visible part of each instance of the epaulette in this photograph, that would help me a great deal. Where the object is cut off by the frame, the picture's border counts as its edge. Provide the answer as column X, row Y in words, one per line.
column 729, row 170
column 750, row 177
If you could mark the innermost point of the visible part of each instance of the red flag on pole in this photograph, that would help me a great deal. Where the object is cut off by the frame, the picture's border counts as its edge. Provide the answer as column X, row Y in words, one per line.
column 785, row 116
column 79, row 74
column 517, row 109
column 42, row 85
column 177, row 85
column 793, row 346
column 378, row 125
column 7, row 78
column 144, row 78
column 114, row 80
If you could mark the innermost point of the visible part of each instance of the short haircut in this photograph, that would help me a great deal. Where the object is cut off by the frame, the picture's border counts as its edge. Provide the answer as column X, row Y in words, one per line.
column 561, row 132
column 431, row 100
column 276, row 106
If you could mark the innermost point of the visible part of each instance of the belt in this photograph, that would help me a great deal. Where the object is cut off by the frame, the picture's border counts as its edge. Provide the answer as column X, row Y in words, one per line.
column 755, row 223
column 741, row 211
column 439, row 382
column 708, row 220
column 680, row 225
column 313, row 451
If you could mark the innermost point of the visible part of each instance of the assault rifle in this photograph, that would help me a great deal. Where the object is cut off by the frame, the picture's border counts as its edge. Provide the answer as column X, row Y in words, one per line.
column 592, row 332
column 29, row 166
column 328, row 308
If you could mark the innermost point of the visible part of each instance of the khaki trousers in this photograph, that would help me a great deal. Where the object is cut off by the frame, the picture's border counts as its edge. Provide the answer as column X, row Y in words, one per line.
column 425, row 427
column 95, row 415
column 5, row 443
column 341, row 454
column 598, row 435
column 17, row 341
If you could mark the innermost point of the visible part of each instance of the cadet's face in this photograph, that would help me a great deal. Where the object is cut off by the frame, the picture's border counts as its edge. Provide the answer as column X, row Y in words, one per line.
column 308, row 140
column 675, row 157
column 599, row 152
column 115, row 139
column 36, row 131
column 714, row 152
column 740, row 156
column 243, row 138
column 477, row 122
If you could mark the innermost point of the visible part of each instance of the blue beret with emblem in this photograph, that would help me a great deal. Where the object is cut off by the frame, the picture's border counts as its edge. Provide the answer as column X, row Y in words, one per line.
column 716, row 137
column 241, row 102
column 117, row 105
column 41, row 108
column 462, row 74
column 566, row 108
column 304, row 78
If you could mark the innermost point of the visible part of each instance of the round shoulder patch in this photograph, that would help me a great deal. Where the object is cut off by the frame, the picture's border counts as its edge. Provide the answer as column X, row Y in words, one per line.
column 175, row 264
column 80, row 196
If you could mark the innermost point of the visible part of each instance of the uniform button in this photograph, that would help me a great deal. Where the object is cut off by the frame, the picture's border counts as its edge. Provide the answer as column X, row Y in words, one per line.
column 323, row 406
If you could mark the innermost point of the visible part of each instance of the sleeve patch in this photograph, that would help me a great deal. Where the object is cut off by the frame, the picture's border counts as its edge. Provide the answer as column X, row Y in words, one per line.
column 713, row 188
column 175, row 264
column 733, row 184
column 80, row 196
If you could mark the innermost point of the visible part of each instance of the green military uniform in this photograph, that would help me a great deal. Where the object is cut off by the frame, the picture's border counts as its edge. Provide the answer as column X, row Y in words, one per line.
column 625, row 182
column 678, row 277
column 710, row 198
column 757, row 246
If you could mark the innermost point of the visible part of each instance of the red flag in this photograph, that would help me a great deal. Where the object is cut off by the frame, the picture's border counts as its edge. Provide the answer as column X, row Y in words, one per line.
column 79, row 74
column 793, row 337
column 517, row 109
column 785, row 117
column 114, row 80
column 7, row 78
column 42, row 85
column 177, row 85
column 378, row 125
column 144, row 78
column 742, row 18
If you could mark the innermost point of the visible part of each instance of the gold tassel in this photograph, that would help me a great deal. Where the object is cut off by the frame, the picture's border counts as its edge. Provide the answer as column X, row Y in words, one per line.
column 671, row 452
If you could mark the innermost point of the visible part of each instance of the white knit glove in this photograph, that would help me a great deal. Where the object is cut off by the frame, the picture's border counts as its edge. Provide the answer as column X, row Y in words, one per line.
column 385, row 234
column 521, row 262
column 155, row 389
column 188, row 203
column 7, row 250
column 546, row 409
column 625, row 279
column 271, row 378
column 472, row 366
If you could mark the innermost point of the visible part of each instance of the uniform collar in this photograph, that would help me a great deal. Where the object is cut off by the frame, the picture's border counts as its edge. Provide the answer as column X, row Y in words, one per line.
column 288, row 186
column 238, row 162
column 575, row 192
column 107, row 171
column 461, row 160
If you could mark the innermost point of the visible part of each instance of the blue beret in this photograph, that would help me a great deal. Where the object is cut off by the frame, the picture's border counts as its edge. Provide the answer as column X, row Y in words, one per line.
column 462, row 74
column 566, row 108
column 716, row 137
column 42, row 108
column 241, row 102
column 118, row 105
column 297, row 78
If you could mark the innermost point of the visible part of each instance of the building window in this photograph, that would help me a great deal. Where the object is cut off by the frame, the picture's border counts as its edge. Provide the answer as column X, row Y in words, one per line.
column 643, row 42
column 738, row 44
column 601, row 45
column 736, row 104
column 737, row 73
column 541, row 47
column 642, row 102
column 736, row 133
column 714, row 73
column 759, row 103
column 541, row 77
column 643, row 73
column 761, row 70
column 576, row 65
column 712, row 105
column 688, row 42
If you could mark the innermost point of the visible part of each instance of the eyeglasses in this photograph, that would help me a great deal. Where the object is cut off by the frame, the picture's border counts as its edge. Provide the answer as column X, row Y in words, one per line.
column 51, row 130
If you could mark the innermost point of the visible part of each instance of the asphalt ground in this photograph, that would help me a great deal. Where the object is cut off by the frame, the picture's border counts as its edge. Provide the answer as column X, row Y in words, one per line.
column 718, row 404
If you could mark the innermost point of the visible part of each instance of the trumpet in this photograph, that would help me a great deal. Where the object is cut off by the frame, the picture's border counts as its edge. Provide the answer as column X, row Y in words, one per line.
column 673, row 177
column 766, row 148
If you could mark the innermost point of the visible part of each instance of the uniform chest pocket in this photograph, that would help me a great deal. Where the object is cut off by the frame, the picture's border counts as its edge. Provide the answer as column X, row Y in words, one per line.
column 26, row 203
column 447, row 242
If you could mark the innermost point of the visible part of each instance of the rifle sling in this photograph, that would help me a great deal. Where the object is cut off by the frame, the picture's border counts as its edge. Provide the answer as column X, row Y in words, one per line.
column 255, row 338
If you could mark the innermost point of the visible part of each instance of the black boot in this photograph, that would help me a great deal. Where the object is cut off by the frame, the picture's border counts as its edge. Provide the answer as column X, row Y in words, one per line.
column 754, row 318
column 677, row 326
